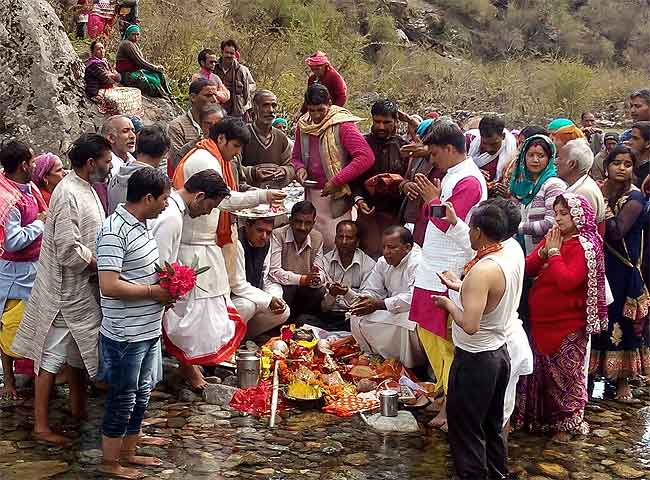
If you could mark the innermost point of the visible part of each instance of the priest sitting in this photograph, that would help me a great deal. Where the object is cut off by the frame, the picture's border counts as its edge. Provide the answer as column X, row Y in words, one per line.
column 257, row 299
column 380, row 312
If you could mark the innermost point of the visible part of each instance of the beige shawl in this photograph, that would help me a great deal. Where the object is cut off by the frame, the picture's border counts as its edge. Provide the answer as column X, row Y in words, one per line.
column 63, row 285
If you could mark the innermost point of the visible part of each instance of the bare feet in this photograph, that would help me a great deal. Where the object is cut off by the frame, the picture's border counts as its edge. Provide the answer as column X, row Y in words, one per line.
column 438, row 403
column 193, row 375
column 157, row 441
column 9, row 392
column 52, row 438
column 440, row 420
column 561, row 437
column 142, row 461
column 115, row 469
column 624, row 393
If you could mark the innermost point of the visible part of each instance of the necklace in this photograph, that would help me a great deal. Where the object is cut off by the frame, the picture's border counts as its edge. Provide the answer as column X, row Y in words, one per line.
column 481, row 253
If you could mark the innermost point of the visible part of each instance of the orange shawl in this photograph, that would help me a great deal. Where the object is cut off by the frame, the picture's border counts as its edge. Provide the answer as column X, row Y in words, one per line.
column 224, row 233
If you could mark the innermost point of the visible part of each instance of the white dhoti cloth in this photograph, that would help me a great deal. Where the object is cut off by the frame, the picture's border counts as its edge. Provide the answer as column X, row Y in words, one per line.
column 258, row 320
column 521, row 363
column 203, row 331
column 389, row 335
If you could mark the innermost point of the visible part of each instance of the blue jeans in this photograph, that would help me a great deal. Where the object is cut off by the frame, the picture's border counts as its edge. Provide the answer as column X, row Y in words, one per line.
column 128, row 369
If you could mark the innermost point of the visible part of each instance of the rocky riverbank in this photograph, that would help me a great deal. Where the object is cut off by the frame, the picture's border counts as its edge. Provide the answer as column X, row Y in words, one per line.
column 211, row 441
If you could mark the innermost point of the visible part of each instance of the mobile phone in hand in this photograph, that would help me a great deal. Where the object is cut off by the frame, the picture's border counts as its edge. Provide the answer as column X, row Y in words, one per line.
column 438, row 211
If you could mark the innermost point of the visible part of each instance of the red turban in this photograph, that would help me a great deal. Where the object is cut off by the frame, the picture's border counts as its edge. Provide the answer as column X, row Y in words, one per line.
column 317, row 59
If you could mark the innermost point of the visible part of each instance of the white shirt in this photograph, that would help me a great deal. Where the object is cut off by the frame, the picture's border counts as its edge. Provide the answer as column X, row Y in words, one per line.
column 354, row 276
column 117, row 162
column 439, row 253
column 168, row 228
column 393, row 285
column 199, row 234
column 588, row 188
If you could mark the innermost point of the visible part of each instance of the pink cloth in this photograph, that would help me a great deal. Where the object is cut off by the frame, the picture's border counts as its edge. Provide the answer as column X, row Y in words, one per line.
column 29, row 209
column 44, row 164
column 427, row 314
column 360, row 155
column 317, row 59
column 335, row 85
column 464, row 196
column 98, row 25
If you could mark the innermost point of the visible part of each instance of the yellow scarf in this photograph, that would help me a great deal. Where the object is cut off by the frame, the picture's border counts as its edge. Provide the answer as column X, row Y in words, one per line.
column 331, row 157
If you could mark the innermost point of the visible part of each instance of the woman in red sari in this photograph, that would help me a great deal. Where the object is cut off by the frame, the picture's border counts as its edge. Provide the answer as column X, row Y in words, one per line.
column 567, row 304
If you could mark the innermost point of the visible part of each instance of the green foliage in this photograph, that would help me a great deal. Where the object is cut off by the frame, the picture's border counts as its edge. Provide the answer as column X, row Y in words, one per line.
column 568, row 73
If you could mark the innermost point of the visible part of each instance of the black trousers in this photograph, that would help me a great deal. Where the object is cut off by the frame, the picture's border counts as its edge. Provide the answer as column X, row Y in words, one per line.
column 302, row 300
column 477, row 386
column 330, row 321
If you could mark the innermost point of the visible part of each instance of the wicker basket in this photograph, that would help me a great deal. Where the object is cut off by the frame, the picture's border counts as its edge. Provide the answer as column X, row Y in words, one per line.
column 125, row 100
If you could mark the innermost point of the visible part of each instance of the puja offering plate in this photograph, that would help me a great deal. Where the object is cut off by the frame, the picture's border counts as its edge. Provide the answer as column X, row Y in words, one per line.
column 261, row 211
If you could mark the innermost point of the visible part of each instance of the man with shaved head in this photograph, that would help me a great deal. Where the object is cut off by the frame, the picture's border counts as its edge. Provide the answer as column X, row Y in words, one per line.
column 266, row 159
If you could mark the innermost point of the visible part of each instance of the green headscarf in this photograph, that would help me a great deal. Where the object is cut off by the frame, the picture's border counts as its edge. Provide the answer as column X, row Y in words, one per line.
column 280, row 121
column 558, row 123
column 129, row 30
column 522, row 186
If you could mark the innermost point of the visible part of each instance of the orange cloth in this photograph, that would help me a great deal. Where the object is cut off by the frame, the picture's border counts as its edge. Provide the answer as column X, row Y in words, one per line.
column 224, row 232
column 568, row 133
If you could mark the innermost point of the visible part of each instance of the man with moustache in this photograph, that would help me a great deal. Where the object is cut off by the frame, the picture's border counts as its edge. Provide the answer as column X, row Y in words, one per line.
column 640, row 143
column 296, row 253
column 257, row 298
column 376, row 192
column 186, row 127
column 62, row 318
column 120, row 133
column 380, row 312
column 266, row 159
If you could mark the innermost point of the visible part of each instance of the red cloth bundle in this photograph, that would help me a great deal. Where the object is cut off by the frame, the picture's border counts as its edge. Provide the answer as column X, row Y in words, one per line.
column 256, row 400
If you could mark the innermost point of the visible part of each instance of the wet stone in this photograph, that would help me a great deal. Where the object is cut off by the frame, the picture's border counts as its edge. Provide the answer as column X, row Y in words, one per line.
column 7, row 448
column 625, row 471
column 34, row 470
column 218, row 394
column 176, row 422
column 553, row 470
column 356, row 459
column 187, row 395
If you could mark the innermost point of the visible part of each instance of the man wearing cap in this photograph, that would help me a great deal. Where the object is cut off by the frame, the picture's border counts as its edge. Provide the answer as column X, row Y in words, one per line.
column 324, row 73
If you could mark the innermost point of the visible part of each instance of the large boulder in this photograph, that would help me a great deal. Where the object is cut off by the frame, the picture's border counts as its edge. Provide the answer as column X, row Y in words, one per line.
column 41, row 79
column 42, row 98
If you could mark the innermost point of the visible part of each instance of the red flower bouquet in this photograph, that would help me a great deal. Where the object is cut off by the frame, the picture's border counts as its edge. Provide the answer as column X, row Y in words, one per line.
column 178, row 279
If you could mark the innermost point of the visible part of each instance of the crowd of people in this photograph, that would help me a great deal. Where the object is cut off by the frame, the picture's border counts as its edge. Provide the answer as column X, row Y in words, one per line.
column 512, row 265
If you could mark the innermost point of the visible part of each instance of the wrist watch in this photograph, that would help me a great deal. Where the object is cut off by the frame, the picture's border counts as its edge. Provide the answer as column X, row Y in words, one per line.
column 553, row 251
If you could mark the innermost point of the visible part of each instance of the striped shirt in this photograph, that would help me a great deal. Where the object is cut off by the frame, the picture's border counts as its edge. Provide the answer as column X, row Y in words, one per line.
column 125, row 245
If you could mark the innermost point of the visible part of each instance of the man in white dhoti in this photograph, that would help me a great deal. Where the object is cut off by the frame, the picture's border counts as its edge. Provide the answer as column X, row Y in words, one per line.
column 257, row 297
column 380, row 312
column 205, row 328
column 62, row 317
